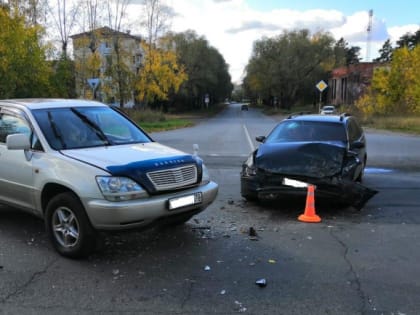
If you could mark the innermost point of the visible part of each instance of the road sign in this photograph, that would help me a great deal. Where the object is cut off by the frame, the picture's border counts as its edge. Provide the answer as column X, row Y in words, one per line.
column 321, row 86
column 93, row 83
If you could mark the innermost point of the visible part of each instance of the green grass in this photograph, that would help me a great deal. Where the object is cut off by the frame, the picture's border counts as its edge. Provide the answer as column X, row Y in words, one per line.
column 153, row 121
column 394, row 123
column 168, row 124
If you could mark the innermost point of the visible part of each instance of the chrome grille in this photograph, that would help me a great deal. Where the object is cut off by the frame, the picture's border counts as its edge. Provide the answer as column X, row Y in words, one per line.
column 173, row 178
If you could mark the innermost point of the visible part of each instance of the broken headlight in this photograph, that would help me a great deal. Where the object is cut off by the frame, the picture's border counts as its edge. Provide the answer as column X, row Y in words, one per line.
column 248, row 168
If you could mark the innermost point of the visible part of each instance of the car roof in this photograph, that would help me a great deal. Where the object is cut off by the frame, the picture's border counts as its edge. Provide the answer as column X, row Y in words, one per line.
column 339, row 119
column 36, row 103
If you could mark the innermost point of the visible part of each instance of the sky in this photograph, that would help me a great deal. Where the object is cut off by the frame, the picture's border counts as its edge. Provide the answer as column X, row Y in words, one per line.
column 232, row 26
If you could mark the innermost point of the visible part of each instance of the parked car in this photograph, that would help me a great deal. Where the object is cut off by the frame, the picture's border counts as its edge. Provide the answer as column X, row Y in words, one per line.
column 328, row 110
column 84, row 166
column 328, row 151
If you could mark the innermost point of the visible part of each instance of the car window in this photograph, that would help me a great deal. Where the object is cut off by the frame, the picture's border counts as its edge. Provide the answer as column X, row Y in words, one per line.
column 11, row 124
column 289, row 131
column 354, row 130
column 82, row 127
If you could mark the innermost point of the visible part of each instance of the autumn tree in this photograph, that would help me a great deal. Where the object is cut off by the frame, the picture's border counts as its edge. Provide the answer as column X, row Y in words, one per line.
column 283, row 70
column 159, row 76
column 409, row 40
column 33, row 11
column 24, row 71
column 206, row 69
column 395, row 87
column 385, row 53
column 119, row 76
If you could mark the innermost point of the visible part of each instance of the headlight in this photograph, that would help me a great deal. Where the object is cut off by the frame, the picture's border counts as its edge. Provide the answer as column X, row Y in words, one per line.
column 248, row 168
column 119, row 188
column 206, row 177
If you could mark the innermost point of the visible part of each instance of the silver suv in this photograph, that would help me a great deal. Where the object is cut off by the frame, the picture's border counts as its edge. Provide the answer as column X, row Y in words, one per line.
column 83, row 166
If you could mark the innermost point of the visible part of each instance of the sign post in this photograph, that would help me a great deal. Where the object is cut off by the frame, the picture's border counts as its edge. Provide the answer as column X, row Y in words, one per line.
column 321, row 86
column 93, row 83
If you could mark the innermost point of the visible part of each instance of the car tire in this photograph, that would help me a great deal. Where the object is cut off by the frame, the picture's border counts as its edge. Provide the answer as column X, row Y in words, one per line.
column 68, row 226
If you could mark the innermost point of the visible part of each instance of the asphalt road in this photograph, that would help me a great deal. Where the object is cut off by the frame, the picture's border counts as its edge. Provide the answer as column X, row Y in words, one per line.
column 353, row 262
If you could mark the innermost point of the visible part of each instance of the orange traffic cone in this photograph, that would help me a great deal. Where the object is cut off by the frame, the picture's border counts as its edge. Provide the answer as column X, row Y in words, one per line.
column 309, row 215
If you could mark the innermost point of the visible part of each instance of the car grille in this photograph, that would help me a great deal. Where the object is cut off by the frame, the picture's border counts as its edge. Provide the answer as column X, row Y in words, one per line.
column 173, row 178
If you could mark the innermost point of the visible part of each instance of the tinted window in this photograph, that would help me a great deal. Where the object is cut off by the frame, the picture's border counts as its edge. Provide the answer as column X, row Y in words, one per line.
column 307, row 131
column 355, row 131
column 82, row 127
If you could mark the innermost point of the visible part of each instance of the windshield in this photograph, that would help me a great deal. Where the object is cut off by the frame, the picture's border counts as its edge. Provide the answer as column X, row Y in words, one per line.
column 295, row 131
column 83, row 127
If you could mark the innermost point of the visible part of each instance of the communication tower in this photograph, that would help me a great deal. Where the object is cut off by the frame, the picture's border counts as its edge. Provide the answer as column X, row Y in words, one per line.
column 369, row 35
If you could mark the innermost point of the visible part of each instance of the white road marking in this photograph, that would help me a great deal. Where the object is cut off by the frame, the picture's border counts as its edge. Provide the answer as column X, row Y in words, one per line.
column 251, row 145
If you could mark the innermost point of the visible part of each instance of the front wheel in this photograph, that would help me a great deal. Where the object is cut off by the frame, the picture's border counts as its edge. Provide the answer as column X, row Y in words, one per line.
column 68, row 226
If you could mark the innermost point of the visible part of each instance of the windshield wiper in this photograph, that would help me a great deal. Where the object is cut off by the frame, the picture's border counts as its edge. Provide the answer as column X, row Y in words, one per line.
column 93, row 125
column 57, row 133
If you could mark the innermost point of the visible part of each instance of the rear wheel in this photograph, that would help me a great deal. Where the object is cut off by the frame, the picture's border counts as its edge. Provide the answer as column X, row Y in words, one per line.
column 68, row 226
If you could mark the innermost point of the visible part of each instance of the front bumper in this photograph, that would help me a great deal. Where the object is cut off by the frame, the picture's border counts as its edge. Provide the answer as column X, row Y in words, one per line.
column 343, row 191
column 106, row 215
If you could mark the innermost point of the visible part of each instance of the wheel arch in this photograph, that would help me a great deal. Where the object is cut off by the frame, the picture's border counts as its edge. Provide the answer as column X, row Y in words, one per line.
column 52, row 189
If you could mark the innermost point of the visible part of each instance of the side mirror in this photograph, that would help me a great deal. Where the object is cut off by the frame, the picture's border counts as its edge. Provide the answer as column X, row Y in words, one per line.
column 260, row 138
column 18, row 141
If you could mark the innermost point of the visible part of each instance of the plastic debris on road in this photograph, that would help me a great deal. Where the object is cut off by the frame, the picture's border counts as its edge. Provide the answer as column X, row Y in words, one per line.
column 261, row 283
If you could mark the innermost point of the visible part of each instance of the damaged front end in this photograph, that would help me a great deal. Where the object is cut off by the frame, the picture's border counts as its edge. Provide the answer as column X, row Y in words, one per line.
column 284, row 170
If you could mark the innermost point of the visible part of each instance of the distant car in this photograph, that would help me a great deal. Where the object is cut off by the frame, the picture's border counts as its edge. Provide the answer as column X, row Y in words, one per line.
column 244, row 107
column 328, row 151
column 328, row 110
column 83, row 166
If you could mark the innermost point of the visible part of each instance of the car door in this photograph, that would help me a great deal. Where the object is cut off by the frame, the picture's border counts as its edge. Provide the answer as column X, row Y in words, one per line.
column 16, row 171
column 357, row 143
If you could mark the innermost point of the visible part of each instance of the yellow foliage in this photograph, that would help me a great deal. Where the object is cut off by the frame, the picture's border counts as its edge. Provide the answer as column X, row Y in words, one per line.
column 159, row 75
column 395, row 87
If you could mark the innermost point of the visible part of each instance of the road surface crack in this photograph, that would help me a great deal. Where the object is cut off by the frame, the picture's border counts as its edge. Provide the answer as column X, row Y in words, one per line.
column 20, row 289
column 355, row 280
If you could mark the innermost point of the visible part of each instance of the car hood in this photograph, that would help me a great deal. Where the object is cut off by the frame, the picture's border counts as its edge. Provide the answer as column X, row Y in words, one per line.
column 109, row 156
column 135, row 160
column 311, row 159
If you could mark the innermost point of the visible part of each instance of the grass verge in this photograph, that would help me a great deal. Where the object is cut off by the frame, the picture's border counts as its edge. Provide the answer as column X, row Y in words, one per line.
column 154, row 121
column 403, row 124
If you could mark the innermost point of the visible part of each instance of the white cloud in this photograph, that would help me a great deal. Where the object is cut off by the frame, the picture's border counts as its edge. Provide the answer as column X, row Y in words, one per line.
column 398, row 31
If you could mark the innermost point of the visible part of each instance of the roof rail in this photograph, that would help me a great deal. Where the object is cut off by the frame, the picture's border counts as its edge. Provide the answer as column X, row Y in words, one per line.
column 342, row 115
column 298, row 114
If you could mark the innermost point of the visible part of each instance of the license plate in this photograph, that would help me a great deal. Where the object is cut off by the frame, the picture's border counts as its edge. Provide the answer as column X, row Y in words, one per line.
column 180, row 202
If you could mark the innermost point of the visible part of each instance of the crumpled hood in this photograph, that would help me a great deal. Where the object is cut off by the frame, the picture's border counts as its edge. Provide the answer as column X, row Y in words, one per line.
column 135, row 160
column 312, row 159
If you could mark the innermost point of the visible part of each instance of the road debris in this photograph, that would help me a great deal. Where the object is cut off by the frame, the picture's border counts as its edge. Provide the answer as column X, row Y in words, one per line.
column 239, row 307
column 261, row 283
